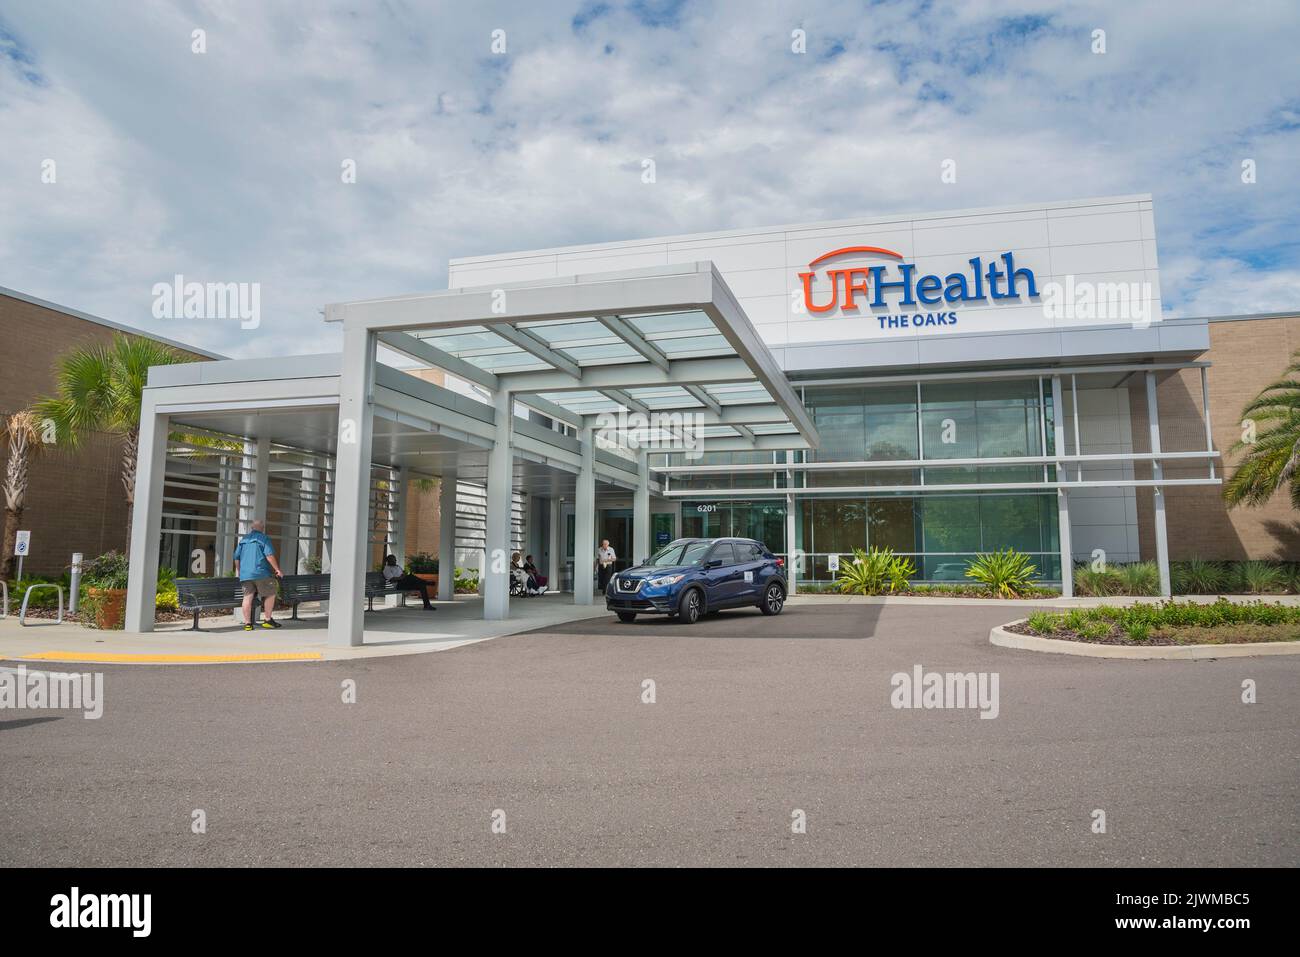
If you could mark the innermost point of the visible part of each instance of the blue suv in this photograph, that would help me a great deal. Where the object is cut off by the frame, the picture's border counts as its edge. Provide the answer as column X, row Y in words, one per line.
column 691, row 577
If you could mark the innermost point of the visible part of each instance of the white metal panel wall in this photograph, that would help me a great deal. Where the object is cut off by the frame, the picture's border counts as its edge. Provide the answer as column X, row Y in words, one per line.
column 1102, row 518
column 1097, row 240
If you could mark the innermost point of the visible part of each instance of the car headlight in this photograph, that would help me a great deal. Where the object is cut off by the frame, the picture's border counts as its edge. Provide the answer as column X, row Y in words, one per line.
column 665, row 580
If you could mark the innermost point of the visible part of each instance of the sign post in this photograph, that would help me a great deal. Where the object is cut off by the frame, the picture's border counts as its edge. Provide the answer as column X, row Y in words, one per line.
column 22, row 545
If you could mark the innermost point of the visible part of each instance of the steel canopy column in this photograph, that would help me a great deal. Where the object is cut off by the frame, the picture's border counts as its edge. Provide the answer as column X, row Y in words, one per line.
column 791, row 551
column 495, row 574
column 400, row 497
column 289, row 532
column 1157, row 473
column 641, row 510
column 310, row 491
column 253, row 501
column 146, row 520
column 223, row 546
column 555, row 547
column 352, row 489
column 584, row 521
column 1062, row 498
column 447, row 535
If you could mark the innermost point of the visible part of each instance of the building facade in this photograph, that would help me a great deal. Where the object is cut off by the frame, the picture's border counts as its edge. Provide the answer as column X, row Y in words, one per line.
column 975, row 376
column 75, row 500
column 943, row 385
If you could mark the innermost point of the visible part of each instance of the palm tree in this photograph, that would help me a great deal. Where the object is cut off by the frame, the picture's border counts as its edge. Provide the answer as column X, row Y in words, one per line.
column 1272, row 461
column 99, row 389
column 22, row 437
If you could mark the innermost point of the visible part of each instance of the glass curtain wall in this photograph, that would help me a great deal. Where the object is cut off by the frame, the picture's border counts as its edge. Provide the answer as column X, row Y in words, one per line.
column 933, row 423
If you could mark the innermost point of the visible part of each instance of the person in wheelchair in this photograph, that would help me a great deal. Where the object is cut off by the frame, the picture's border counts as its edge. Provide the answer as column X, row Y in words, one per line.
column 523, row 578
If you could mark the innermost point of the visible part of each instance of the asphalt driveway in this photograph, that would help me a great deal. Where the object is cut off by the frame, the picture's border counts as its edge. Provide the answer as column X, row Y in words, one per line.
column 753, row 719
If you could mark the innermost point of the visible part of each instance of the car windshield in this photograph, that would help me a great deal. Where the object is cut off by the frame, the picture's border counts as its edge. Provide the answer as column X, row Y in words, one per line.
column 679, row 553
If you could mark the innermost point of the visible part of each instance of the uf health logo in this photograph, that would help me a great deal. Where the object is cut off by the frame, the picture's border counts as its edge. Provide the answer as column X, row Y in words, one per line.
column 997, row 279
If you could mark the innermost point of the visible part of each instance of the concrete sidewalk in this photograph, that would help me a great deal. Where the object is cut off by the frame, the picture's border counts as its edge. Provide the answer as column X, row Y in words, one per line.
column 389, row 631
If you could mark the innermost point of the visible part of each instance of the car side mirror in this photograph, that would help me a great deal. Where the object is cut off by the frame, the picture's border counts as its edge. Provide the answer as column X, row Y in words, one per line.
column 713, row 563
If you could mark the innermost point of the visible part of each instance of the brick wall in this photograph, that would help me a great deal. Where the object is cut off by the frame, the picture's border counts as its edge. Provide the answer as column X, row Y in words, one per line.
column 1247, row 355
column 75, row 501
column 422, row 513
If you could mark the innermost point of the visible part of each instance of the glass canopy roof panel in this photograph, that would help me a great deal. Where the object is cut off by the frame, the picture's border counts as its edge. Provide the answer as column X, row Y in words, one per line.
column 557, row 333
column 665, row 397
column 739, row 393
column 465, row 339
column 701, row 345
column 517, row 361
column 591, row 354
column 693, row 322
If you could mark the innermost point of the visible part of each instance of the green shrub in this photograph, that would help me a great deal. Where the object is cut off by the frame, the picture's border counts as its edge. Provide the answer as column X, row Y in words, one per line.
column 901, row 570
column 1094, row 630
column 1045, row 622
column 1007, row 573
column 1137, row 630
column 1139, row 578
column 1260, row 578
column 109, row 570
column 422, row 563
column 1095, row 583
column 1198, row 577
column 867, row 573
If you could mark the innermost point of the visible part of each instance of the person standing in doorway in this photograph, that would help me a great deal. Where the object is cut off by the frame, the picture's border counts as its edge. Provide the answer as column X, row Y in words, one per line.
column 255, row 563
column 605, row 559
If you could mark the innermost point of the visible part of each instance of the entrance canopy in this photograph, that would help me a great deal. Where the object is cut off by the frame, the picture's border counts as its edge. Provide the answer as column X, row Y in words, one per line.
column 657, row 342
column 553, row 388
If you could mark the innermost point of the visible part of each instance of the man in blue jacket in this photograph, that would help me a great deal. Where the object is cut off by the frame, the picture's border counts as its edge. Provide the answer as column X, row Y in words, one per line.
column 255, row 564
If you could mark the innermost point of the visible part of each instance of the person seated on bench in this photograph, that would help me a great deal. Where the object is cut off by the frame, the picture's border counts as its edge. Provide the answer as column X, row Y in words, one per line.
column 536, row 581
column 393, row 572
column 254, row 563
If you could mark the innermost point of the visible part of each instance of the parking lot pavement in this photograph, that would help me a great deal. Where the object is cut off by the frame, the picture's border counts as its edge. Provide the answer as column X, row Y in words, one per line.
column 753, row 720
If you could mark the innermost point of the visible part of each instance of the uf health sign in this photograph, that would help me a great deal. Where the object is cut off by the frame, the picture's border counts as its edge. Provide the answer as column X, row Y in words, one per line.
column 849, row 288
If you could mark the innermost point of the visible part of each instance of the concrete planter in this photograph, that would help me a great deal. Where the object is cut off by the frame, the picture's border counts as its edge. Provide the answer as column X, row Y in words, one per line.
column 1011, row 639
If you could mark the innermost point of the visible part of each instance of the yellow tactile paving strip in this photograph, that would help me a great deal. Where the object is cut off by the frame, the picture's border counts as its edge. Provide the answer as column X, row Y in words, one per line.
column 165, row 659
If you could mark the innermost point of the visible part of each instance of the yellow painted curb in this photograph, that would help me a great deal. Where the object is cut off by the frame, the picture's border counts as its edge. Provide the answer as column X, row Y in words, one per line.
column 162, row 659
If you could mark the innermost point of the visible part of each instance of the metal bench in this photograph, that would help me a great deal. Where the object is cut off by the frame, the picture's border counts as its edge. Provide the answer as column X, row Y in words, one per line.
column 377, row 586
column 295, row 589
column 200, row 594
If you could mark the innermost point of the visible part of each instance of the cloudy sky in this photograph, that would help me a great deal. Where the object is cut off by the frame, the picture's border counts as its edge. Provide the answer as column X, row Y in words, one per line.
column 226, row 166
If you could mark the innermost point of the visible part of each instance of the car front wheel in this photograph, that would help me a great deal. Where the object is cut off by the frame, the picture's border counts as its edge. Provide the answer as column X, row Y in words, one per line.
column 627, row 616
column 690, row 608
column 773, row 599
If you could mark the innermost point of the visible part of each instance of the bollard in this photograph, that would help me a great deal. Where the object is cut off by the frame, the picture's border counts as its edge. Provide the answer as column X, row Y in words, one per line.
column 74, row 588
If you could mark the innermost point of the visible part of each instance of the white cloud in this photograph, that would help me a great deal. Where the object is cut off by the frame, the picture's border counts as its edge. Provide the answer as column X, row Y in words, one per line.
column 226, row 166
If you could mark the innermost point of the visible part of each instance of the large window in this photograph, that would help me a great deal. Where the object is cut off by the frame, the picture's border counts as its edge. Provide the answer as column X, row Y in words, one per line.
column 980, row 420
column 762, row 521
column 941, row 532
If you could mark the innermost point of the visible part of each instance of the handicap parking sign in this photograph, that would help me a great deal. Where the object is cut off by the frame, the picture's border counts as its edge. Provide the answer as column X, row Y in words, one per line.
column 22, row 544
